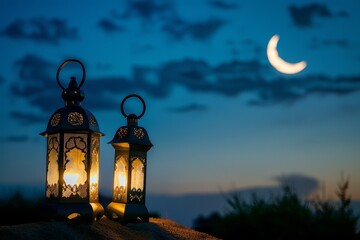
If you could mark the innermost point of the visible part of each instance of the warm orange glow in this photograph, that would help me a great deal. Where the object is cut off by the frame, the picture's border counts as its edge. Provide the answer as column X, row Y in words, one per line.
column 52, row 174
column 94, row 179
column 120, row 172
column 122, row 145
column 122, row 179
column 278, row 63
column 94, row 170
column 53, row 168
column 73, row 216
column 137, row 175
column 75, row 173
column 71, row 178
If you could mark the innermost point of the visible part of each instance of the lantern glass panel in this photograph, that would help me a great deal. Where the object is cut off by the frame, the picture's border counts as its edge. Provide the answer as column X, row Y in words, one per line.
column 75, row 176
column 120, row 178
column 52, row 174
column 137, row 175
column 94, row 171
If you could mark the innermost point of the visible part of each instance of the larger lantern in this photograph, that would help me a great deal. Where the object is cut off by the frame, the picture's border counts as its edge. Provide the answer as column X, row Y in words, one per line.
column 131, row 144
column 72, row 165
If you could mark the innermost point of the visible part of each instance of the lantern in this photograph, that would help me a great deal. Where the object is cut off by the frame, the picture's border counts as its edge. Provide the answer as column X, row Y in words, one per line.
column 131, row 144
column 72, row 159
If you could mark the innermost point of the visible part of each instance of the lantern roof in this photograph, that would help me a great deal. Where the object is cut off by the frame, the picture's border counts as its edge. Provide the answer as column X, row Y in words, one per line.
column 72, row 117
column 132, row 134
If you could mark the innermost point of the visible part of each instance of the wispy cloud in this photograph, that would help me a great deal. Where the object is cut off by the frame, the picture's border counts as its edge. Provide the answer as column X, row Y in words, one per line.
column 304, row 16
column 27, row 118
column 147, row 10
column 222, row 5
column 15, row 138
column 163, row 15
column 229, row 79
column 200, row 30
column 40, row 29
column 37, row 82
column 302, row 184
column 110, row 26
column 320, row 43
column 33, row 67
column 192, row 107
column 288, row 91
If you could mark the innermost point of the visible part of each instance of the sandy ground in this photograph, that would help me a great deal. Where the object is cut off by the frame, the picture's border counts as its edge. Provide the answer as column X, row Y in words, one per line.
column 157, row 228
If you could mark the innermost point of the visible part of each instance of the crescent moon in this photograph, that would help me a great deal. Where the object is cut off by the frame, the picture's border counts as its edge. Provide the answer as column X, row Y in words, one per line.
column 278, row 63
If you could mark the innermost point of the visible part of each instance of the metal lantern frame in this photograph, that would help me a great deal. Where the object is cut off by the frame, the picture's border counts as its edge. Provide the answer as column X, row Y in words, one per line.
column 73, row 156
column 131, row 144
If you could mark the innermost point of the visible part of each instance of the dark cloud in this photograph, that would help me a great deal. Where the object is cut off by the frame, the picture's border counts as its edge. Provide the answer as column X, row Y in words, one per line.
column 28, row 118
column 37, row 81
column 34, row 68
column 37, row 84
column 303, row 16
column 40, row 29
column 223, row 5
column 15, row 138
column 288, row 91
column 39, row 88
column 110, row 26
column 205, row 29
column 343, row 14
column 303, row 185
column 193, row 107
column 201, row 30
column 247, row 45
column 169, row 21
column 101, row 101
column 341, row 43
column 147, row 10
column 192, row 74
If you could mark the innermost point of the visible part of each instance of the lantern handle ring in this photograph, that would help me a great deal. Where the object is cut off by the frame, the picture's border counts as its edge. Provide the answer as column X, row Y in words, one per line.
column 129, row 96
column 63, row 65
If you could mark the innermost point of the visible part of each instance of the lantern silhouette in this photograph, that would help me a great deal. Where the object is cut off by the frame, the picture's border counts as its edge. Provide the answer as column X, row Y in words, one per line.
column 72, row 165
column 131, row 144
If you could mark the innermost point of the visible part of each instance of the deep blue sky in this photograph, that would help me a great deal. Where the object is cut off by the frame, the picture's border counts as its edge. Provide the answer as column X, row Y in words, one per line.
column 219, row 115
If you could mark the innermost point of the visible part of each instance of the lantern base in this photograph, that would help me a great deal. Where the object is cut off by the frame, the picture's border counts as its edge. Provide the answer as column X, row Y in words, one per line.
column 127, row 212
column 81, row 212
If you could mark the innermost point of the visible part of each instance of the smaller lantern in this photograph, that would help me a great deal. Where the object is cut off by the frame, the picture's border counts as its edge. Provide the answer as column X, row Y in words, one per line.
column 131, row 144
column 72, row 169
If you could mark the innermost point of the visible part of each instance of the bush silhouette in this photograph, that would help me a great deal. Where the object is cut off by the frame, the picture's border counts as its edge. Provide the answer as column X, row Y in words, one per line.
column 283, row 217
column 17, row 210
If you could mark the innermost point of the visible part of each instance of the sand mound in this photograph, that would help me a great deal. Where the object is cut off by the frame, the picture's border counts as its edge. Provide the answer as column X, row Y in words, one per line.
column 156, row 228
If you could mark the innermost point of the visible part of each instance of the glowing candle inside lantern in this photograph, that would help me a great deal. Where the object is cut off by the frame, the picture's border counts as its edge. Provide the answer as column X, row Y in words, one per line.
column 122, row 180
column 94, row 179
column 71, row 178
column 120, row 173
column 93, row 184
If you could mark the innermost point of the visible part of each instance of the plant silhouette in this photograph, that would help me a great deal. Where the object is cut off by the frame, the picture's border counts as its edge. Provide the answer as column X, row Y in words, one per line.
column 283, row 217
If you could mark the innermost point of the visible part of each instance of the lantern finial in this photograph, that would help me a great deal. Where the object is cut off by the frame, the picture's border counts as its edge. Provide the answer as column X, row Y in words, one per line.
column 72, row 95
column 132, row 118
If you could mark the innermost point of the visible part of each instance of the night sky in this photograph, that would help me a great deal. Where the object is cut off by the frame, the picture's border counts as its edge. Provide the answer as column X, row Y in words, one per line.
column 219, row 115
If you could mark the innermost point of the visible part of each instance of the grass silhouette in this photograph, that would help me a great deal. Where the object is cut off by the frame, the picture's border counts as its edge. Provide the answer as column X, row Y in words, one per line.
column 284, row 217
